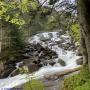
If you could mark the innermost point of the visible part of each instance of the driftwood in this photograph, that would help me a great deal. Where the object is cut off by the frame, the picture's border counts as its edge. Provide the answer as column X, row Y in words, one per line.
column 61, row 73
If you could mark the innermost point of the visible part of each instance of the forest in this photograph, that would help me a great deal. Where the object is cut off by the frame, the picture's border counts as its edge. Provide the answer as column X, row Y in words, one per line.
column 44, row 45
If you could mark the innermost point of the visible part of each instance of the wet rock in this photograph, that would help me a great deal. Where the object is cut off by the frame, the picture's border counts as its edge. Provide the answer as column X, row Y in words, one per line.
column 60, row 32
column 50, row 35
column 49, row 62
column 39, row 48
column 9, row 66
column 26, row 68
column 45, row 63
column 51, row 77
column 40, row 53
column 40, row 65
column 45, row 39
column 27, row 61
column 32, row 67
column 36, row 62
column 59, row 42
column 52, row 63
column 25, row 56
column 7, row 70
column 79, row 61
column 62, row 62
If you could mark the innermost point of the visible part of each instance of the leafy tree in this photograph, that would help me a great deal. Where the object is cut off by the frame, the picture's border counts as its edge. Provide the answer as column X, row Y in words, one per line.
column 11, row 27
column 75, row 32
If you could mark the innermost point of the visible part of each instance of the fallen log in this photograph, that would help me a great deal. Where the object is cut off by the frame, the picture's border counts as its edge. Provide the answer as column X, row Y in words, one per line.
column 59, row 74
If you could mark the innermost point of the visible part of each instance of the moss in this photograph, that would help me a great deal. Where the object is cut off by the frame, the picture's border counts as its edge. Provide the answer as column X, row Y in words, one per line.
column 34, row 85
column 85, row 86
column 78, row 80
column 75, row 32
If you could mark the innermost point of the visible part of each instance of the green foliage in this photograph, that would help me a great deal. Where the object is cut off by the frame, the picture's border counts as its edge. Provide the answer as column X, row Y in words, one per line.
column 85, row 86
column 77, row 82
column 21, row 19
column 75, row 33
column 43, row 21
column 34, row 85
column 15, row 42
column 28, row 17
column 52, row 23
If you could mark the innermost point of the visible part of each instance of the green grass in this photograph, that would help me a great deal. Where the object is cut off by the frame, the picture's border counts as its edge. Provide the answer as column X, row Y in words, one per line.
column 80, row 81
column 34, row 85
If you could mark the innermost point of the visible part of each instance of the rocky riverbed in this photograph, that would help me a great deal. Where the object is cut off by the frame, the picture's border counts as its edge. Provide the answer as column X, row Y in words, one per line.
column 50, row 53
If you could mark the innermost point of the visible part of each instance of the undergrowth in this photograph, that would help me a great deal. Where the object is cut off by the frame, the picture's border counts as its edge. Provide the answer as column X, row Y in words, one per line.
column 79, row 81
column 34, row 85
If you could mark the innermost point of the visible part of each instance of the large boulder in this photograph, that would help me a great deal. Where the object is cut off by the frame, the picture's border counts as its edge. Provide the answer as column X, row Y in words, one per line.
column 32, row 67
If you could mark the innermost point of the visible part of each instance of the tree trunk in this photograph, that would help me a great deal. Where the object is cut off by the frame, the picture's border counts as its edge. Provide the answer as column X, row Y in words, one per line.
column 84, row 19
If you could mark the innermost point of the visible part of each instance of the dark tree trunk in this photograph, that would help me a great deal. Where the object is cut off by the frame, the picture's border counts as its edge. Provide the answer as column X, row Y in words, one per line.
column 84, row 19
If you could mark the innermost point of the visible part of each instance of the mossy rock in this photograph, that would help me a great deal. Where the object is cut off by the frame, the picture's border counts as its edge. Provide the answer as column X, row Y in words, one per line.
column 34, row 85
column 62, row 62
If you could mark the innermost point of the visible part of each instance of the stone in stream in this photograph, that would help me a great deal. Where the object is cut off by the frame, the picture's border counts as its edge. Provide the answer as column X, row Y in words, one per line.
column 40, row 52
column 49, row 62
column 33, row 57
column 25, row 56
column 50, row 35
column 25, row 68
column 79, row 61
column 32, row 67
column 62, row 62
column 52, row 63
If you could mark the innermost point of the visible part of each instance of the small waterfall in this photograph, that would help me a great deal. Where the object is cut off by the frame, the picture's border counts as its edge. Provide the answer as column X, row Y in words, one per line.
column 61, row 45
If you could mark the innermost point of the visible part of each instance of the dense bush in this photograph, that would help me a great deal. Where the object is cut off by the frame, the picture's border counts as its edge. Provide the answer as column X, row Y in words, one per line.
column 77, row 82
column 85, row 86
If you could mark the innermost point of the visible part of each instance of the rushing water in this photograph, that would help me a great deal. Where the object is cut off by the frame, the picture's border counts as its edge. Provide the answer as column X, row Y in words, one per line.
column 68, row 55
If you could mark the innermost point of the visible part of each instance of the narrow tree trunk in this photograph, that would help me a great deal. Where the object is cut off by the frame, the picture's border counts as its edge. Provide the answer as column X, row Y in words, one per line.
column 83, row 48
column 84, row 19
column 0, row 39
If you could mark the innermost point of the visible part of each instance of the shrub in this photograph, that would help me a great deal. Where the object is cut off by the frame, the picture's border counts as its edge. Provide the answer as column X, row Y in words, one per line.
column 75, row 32
column 77, row 81
column 85, row 86
column 34, row 85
